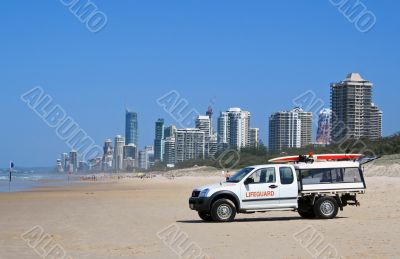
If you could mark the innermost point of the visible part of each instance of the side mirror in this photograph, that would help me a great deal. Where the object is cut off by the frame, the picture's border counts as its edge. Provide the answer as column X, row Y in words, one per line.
column 248, row 181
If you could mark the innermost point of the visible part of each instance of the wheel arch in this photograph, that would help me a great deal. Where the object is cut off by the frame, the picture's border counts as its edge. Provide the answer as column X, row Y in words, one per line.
column 225, row 195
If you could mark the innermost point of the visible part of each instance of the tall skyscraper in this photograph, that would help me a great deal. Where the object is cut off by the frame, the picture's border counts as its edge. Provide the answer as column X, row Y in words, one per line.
column 290, row 129
column 64, row 161
column 144, row 160
column 324, row 127
column 223, row 128
column 189, row 144
column 131, row 128
column 284, row 131
column 210, row 113
column 169, row 155
column 159, row 140
column 211, row 146
column 118, row 152
column 130, row 157
column 73, row 161
column 203, row 123
column 130, row 150
column 234, row 128
column 352, row 109
column 239, row 128
column 150, row 154
column 107, row 155
column 306, row 119
column 170, row 131
column 375, row 123
column 254, row 137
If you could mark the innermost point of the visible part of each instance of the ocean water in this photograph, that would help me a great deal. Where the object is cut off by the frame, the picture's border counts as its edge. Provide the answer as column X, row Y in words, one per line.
column 25, row 180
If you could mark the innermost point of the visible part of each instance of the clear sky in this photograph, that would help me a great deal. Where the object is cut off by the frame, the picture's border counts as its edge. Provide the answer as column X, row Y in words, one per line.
column 257, row 55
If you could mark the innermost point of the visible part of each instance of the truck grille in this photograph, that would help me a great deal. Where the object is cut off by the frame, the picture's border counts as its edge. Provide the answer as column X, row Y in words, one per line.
column 195, row 194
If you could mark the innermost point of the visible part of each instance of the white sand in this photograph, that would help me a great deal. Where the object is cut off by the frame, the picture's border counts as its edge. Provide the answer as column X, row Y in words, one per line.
column 121, row 219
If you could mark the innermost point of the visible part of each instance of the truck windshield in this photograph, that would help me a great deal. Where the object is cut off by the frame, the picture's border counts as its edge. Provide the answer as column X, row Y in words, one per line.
column 240, row 175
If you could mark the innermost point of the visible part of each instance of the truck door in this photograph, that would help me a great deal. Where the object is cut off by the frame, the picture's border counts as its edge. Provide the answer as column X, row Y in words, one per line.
column 288, row 189
column 260, row 190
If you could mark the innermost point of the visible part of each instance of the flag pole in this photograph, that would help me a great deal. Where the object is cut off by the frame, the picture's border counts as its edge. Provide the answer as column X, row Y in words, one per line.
column 9, row 182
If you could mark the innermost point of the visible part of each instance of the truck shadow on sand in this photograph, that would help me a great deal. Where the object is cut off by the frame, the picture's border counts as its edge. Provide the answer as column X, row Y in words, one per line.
column 269, row 219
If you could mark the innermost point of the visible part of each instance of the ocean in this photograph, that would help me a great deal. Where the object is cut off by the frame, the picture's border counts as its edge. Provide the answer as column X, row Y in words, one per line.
column 27, row 179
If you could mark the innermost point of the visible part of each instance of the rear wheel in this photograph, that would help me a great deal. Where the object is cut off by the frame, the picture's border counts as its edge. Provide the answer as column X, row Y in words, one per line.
column 205, row 216
column 223, row 210
column 326, row 208
column 307, row 214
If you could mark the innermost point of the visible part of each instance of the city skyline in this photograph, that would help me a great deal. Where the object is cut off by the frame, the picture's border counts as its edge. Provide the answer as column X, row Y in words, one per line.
column 214, row 122
column 351, row 101
column 251, row 56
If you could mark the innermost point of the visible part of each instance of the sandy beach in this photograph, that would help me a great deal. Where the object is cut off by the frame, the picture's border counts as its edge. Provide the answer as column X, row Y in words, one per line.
column 130, row 218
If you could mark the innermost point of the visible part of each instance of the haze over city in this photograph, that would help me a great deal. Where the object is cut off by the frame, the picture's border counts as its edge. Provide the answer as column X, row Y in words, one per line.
column 223, row 54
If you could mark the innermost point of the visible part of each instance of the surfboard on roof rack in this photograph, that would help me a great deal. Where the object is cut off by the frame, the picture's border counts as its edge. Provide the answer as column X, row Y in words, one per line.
column 316, row 158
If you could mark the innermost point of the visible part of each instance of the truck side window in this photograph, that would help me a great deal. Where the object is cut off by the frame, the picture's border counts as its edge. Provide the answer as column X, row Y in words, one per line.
column 286, row 174
column 265, row 175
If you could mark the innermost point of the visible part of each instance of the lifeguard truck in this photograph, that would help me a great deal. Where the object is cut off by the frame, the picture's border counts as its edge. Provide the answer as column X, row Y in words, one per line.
column 316, row 186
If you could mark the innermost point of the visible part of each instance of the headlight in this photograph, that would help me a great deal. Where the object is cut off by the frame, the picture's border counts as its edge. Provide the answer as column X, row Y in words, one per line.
column 204, row 193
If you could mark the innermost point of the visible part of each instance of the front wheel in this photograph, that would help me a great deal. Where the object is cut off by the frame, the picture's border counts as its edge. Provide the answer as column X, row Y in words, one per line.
column 205, row 216
column 326, row 208
column 223, row 210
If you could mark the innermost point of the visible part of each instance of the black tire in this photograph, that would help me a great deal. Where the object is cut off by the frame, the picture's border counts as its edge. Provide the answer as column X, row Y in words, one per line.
column 307, row 214
column 326, row 208
column 205, row 216
column 223, row 210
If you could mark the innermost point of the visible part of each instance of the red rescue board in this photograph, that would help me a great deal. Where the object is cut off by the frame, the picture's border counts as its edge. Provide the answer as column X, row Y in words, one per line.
column 317, row 157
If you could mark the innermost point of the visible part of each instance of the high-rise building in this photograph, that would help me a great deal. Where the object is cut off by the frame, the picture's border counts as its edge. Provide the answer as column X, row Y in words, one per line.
column 144, row 162
column 130, row 150
column 284, row 130
column 146, row 157
column 290, row 129
column 189, row 144
column 375, row 123
column 234, row 128
column 211, row 146
column 223, row 128
column 118, row 152
column 352, row 109
column 306, row 119
column 324, row 127
column 64, row 161
column 73, row 161
column 203, row 123
column 107, row 155
column 159, row 141
column 131, row 128
column 130, row 157
column 254, row 137
column 169, row 155
column 210, row 113
column 60, row 168
column 239, row 128
column 170, row 131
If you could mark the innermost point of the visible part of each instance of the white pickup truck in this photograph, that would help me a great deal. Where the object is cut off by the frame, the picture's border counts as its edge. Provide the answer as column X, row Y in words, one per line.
column 314, row 190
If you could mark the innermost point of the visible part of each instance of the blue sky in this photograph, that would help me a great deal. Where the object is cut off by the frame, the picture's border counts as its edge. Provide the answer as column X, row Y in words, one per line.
column 257, row 55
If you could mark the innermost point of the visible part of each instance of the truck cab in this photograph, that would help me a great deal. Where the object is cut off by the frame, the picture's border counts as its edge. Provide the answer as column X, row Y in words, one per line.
column 314, row 190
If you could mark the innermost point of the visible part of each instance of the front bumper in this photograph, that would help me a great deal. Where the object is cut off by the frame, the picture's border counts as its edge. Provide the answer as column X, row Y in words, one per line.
column 199, row 204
